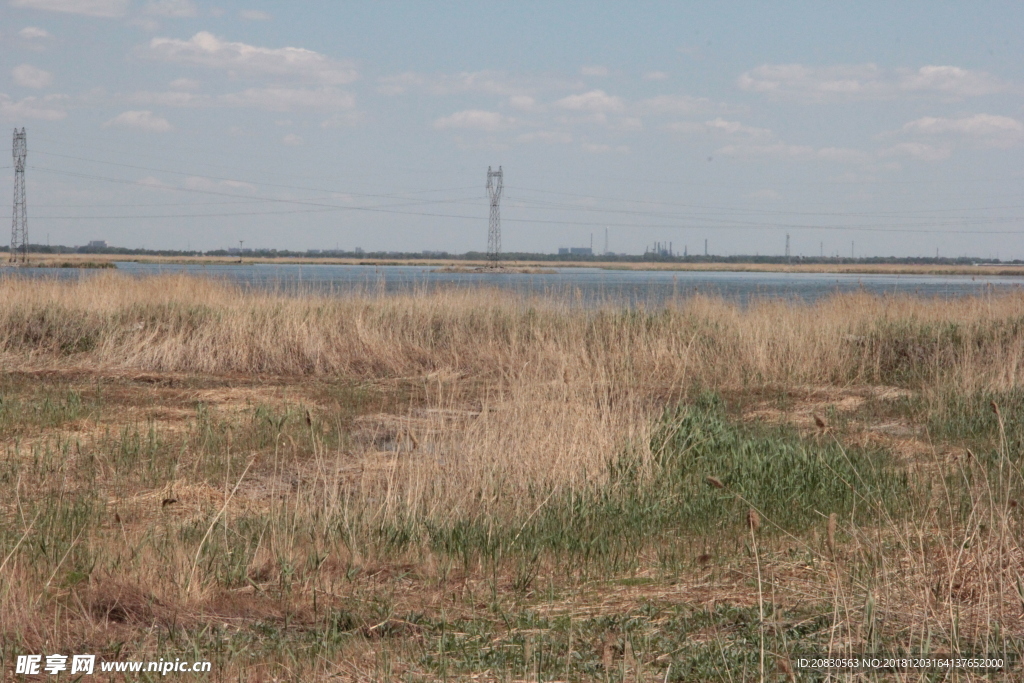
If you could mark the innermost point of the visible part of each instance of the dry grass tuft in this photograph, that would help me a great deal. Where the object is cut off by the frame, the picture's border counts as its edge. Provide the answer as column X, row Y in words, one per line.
column 753, row 520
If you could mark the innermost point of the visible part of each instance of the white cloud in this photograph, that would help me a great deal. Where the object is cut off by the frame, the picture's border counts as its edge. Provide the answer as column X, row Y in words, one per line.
column 207, row 184
column 34, row 33
column 987, row 129
column 674, row 104
column 206, row 49
column 595, row 70
column 479, row 81
column 546, row 136
column 916, row 150
column 174, row 9
column 866, row 82
column 43, row 109
column 287, row 99
column 811, row 82
column 952, row 80
column 720, row 125
column 170, row 99
column 278, row 99
column 184, row 84
column 842, row 155
column 523, row 103
column 777, row 149
column 489, row 82
column 255, row 15
column 28, row 76
column 293, row 140
column 977, row 125
column 94, row 8
column 475, row 119
column 141, row 120
column 797, row 152
column 593, row 101
column 655, row 76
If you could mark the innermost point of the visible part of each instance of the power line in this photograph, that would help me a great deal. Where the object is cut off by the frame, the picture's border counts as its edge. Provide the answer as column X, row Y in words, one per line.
column 731, row 209
column 710, row 217
column 194, row 151
column 721, row 222
column 251, row 182
column 727, row 225
column 539, row 204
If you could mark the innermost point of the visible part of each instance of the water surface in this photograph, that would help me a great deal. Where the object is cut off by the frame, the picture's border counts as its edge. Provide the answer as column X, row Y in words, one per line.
column 586, row 285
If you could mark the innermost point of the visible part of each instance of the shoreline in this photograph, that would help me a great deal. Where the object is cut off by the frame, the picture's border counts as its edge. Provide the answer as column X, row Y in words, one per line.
column 465, row 266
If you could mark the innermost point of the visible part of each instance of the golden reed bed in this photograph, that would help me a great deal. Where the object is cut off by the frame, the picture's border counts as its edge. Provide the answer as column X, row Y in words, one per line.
column 185, row 324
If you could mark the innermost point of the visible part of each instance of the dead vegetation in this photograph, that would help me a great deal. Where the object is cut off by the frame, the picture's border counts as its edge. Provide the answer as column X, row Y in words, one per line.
column 452, row 484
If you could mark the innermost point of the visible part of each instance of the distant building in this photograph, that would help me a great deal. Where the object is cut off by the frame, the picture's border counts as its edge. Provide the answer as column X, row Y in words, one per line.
column 660, row 249
column 575, row 251
column 97, row 244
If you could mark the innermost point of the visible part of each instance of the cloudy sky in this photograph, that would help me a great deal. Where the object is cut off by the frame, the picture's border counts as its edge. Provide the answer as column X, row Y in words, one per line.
column 179, row 123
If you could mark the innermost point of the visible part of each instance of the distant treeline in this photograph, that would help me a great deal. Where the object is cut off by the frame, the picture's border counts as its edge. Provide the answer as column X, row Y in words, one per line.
column 514, row 256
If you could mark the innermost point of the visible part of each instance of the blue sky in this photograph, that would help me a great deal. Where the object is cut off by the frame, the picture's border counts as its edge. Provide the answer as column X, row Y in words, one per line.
column 182, row 124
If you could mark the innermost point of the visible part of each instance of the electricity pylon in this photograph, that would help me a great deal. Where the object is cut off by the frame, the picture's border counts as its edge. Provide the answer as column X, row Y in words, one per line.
column 495, row 180
column 19, row 222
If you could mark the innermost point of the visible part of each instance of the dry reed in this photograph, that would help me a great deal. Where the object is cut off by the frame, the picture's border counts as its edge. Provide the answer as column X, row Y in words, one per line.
column 185, row 324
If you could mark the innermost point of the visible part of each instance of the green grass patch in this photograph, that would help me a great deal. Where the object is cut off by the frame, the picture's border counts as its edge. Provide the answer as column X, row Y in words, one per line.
column 972, row 418
column 707, row 472
column 44, row 409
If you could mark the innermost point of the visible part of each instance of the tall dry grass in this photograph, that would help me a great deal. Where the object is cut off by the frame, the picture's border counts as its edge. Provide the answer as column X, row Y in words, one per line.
column 185, row 324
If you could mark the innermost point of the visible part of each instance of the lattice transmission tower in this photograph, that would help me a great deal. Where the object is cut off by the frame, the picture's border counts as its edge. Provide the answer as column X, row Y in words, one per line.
column 495, row 181
column 19, row 223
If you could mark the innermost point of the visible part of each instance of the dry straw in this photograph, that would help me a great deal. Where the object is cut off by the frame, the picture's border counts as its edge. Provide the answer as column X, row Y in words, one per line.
column 832, row 519
column 753, row 520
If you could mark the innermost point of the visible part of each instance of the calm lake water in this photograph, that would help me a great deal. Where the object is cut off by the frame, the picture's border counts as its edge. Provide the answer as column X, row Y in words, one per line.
column 587, row 285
